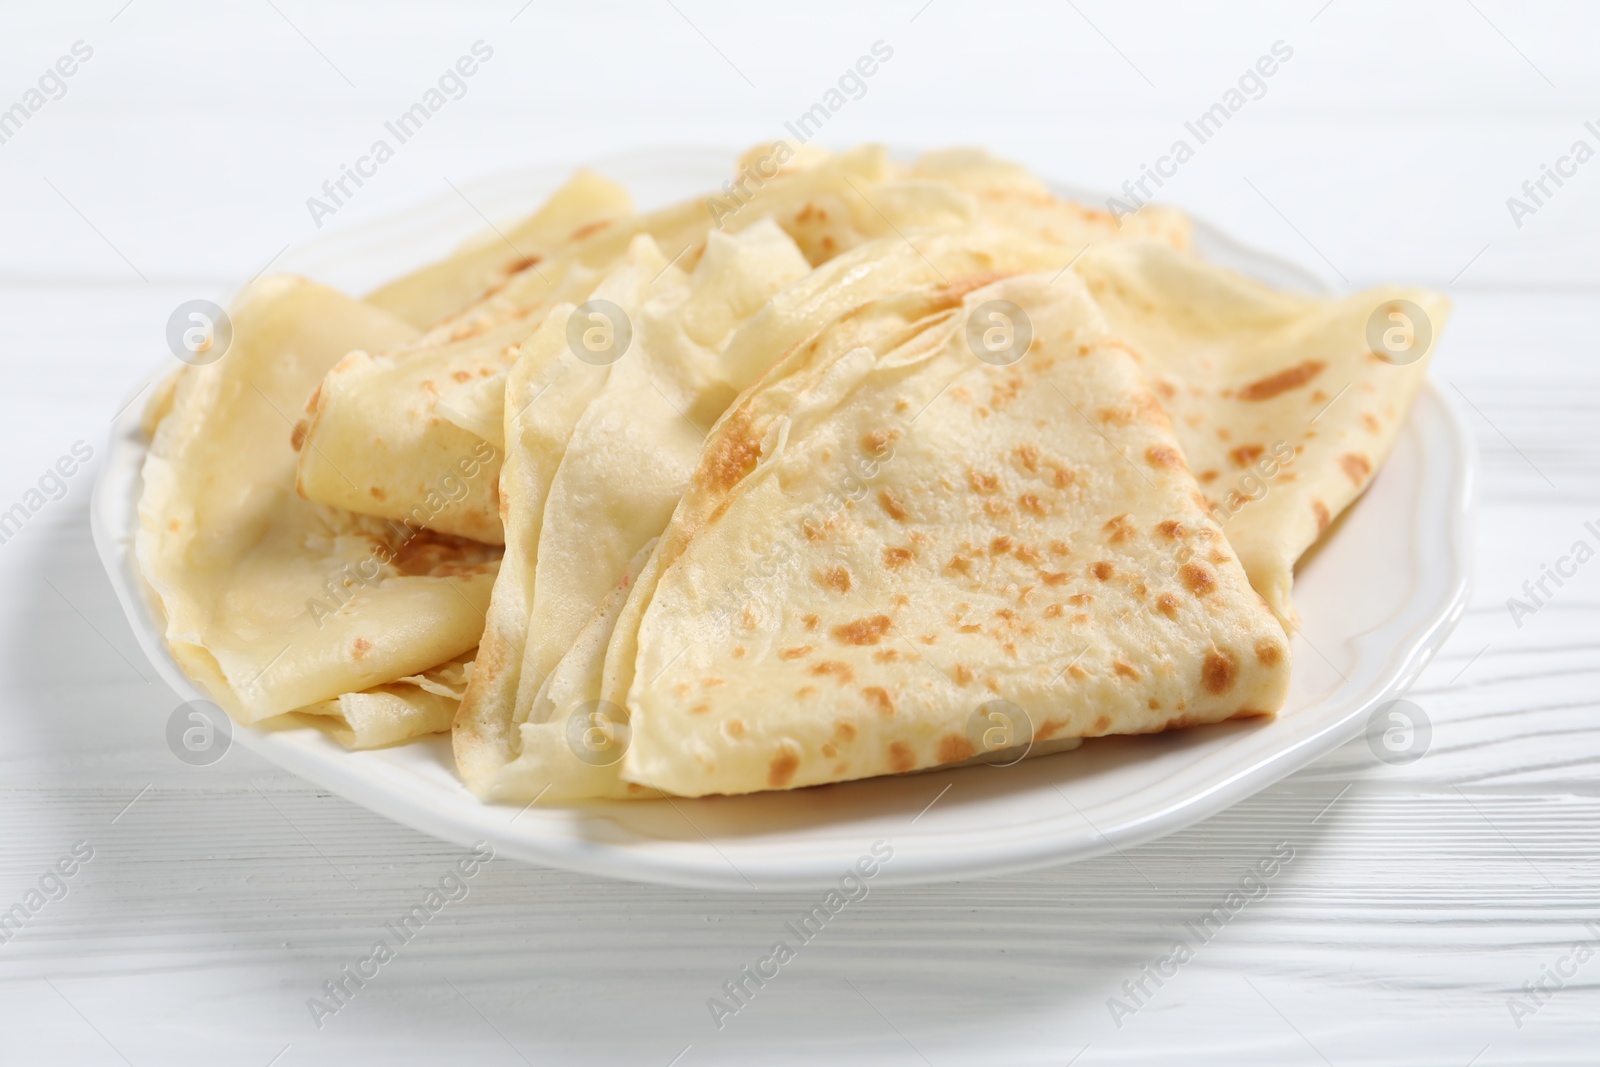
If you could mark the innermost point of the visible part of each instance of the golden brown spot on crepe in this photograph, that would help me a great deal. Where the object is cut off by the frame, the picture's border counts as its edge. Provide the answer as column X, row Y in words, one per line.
column 1049, row 728
column 1102, row 723
column 1208, row 477
column 1197, row 578
column 1320, row 509
column 1372, row 424
column 784, row 764
column 953, row 747
column 174, row 526
column 360, row 648
column 734, row 727
column 963, row 674
column 971, row 628
column 1125, row 669
column 1080, row 599
column 1061, row 477
column 996, row 508
column 999, row 544
column 892, row 505
column 442, row 555
column 929, row 639
column 1290, row 378
column 1219, row 671
column 837, row 668
column 868, row 631
column 900, row 758
column 810, row 622
column 377, row 494
column 1268, row 652
column 1028, row 554
column 1031, row 503
column 699, row 709
column 880, row 699
column 836, row 578
column 1163, row 456
column 806, row 691
column 1121, row 528
column 1356, row 467
column 461, row 375
column 1052, row 611
column 1245, row 455
column 875, row 442
column 298, row 437
column 1173, row 529
column 981, row 482
column 732, row 454
column 1054, row 577
column 711, row 683
column 1165, row 388
column 1028, row 456
column 959, row 564
column 844, row 730
column 829, row 750
column 589, row 229
column 1155, row 705
column 1103, row 569
column 797, row 652
column 1077, row 671
column 739, row 652
column 1060, row 548
column 896, row 557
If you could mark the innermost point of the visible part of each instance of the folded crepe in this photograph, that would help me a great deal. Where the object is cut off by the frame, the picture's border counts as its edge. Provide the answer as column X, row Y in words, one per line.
column 389, row 421
column 629, row 461
column 939, row 532
column 273, row 603
column 439, row 291
column 1283, row 406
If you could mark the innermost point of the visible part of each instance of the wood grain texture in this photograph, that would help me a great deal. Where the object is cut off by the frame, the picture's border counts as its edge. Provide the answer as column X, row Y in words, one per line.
column 1419, row 899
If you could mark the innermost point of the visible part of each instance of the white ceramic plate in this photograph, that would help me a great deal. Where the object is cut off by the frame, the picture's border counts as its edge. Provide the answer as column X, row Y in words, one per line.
column 1378, row 599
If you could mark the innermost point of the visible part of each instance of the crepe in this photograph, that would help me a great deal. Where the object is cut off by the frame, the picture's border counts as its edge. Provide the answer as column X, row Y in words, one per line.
column 273, row 603
column 946, row 533
column 426, row 297
column 1284, row 409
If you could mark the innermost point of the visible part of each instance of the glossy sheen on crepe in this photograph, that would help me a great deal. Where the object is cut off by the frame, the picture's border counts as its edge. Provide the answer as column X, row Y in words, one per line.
column 930, row 533
column 1284, row 409
column 272, row 602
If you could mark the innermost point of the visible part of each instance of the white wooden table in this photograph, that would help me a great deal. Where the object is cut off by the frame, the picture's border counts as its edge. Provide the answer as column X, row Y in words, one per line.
column 1421, row 899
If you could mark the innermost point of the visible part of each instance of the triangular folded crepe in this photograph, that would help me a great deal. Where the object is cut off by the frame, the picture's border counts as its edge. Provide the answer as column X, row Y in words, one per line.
column 274, row 603
column 929, row 533
column 1284, row 407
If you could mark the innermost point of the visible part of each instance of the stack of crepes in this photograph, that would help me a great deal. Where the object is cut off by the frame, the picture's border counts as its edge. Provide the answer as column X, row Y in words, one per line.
column 856, row 467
